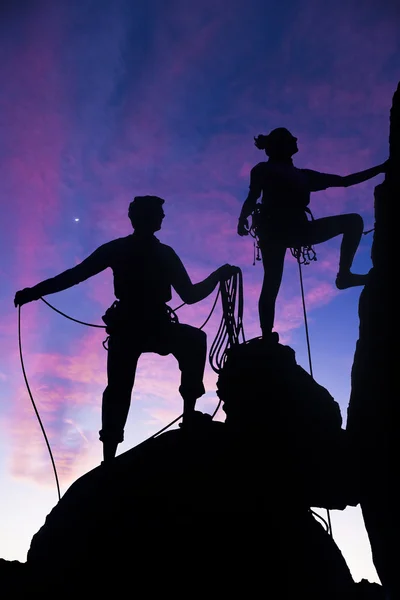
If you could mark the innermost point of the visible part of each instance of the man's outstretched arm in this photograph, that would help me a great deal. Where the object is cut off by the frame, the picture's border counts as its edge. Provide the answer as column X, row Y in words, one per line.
column 93, row 264
column 195, row 292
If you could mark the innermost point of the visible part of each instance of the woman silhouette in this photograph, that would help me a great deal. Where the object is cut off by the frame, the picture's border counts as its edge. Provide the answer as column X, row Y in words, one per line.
column 283, row 221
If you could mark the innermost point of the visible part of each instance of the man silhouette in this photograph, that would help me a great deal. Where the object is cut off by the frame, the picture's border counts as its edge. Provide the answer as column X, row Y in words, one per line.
column 283, row 221
column 140, row 321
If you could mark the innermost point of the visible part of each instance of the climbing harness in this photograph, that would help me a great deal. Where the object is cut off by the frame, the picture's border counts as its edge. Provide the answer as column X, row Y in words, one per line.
column 111, row 318
column 229, row 333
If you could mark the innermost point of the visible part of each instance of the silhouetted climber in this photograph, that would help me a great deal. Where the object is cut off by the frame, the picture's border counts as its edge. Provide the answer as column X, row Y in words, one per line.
column 282, row 222
column 140, row 321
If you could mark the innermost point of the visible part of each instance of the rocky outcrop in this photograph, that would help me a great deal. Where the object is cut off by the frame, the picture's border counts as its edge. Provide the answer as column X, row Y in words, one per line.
column 372, row 424
column 284, row 413
column 224, row 507
column 364, row 590
column 14, row 578
column 190, row 514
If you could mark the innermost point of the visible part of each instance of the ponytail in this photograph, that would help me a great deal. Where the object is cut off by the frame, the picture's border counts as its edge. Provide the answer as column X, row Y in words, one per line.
column 261, row 142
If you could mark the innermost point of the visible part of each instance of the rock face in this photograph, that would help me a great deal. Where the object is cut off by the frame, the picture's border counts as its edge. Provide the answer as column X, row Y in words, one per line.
column 221, row 510
column 194, row 515
column 372, row 426
column 14, row 578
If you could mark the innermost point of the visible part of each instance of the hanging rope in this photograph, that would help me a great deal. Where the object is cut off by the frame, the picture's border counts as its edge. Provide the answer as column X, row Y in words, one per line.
column 304, row 256
column 34, row 405
column 172, row 312
column 300, row 253
column 71, row 318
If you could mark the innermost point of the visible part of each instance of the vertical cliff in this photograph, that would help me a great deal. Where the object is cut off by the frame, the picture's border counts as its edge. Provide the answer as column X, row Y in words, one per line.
column 373, row 402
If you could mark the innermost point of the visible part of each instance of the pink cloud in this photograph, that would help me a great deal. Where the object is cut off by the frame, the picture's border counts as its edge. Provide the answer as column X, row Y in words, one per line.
column 29, row 457
column 87, row 367
column 289, row 313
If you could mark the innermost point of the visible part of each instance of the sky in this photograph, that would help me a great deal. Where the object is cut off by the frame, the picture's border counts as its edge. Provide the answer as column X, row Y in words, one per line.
column 104, row 100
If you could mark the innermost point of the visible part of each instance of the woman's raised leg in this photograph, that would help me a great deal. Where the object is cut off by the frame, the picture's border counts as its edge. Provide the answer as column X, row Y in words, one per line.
column 351, row 227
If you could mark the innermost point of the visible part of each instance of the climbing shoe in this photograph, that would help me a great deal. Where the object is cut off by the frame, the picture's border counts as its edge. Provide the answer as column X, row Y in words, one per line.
column 347, row 280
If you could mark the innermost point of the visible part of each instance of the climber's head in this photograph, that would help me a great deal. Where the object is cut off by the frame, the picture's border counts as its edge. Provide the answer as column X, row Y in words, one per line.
column 146, row 213
column 280, row 144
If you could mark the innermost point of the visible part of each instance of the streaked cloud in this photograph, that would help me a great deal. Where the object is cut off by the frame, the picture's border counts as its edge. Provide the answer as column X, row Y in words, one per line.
column 99, row 105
